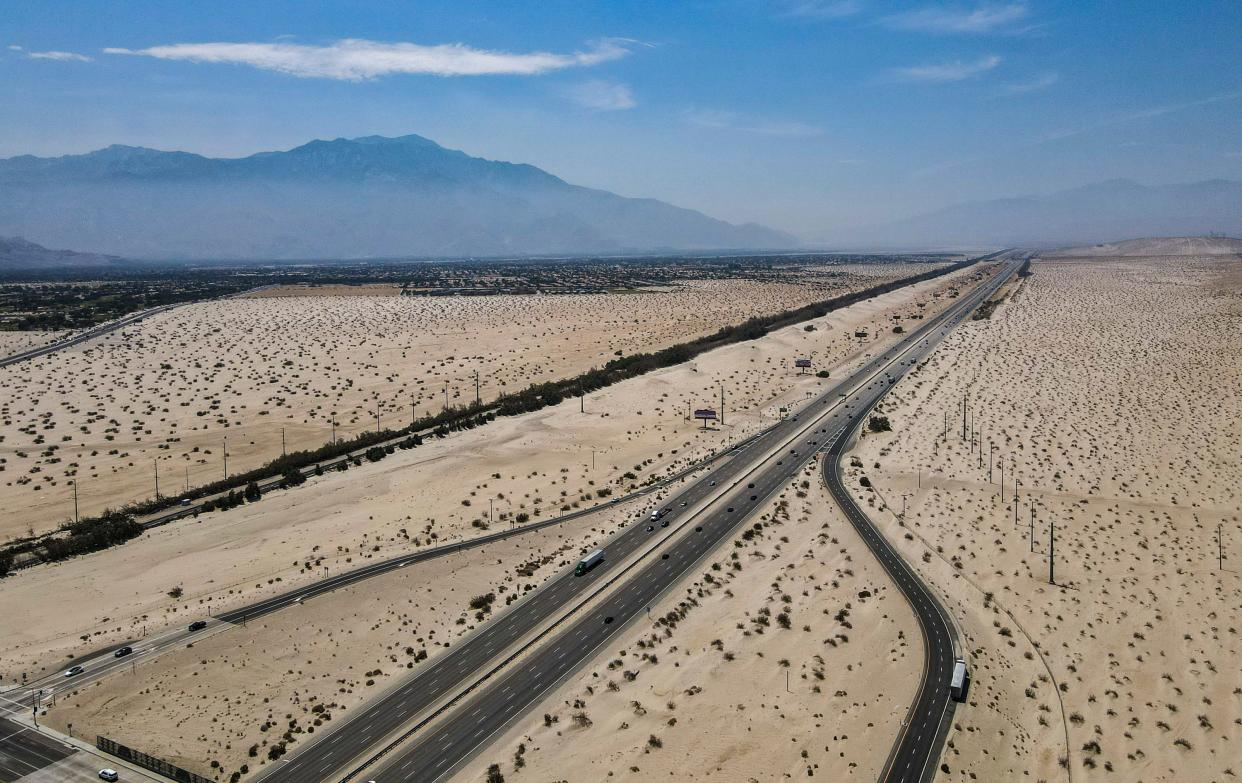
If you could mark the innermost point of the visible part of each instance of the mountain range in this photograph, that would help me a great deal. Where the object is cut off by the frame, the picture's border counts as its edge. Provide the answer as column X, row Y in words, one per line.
column 1099, row 212
column 370, row 197
column 18, row 253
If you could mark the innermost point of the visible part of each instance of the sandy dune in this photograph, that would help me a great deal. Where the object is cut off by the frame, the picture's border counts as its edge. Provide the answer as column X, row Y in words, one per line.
column 1156, row 246
column 164, row 395
column 534, row 463
column 1113, row 394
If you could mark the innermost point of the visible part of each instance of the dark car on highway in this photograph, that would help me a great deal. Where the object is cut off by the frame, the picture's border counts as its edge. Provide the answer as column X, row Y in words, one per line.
column 198, row 625
column 121, row 653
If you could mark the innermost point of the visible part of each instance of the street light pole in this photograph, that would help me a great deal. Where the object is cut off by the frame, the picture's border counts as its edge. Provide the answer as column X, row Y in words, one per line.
column 1052, row 546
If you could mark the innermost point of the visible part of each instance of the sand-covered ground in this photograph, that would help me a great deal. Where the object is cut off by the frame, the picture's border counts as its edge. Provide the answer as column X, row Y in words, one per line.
column 1112, row 391
column 250, row 376
column 788, row 655
column 16, row 342
column 536, row 464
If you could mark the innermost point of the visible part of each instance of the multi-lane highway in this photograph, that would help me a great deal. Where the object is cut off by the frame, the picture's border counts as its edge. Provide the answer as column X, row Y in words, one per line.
column 700, row 517
column 468, row 694
column 103, row 662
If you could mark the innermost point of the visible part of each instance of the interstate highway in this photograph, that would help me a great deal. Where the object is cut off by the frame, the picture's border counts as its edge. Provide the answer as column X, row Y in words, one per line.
column 481, row 714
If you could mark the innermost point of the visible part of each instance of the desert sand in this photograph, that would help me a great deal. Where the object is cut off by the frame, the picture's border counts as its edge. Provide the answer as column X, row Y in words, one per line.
column 536, row 463
column 1156, row 246
column 1111, row 392
column 16, row 342
column 168, row 397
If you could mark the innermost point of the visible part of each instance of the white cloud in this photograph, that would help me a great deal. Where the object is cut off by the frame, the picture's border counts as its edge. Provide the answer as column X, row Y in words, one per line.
column 822, row 9
column 726, row 120
column 1143, row 114
column 603, row 96
column 14, row 48
column 354, row 59
column 1037, row 84
column 61, row 56
column 942, row 19
column 944, row 72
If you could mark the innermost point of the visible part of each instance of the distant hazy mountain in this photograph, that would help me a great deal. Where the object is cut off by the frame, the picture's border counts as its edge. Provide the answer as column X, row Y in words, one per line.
column 348, row 198
column 1085, row 215
column 17, row 253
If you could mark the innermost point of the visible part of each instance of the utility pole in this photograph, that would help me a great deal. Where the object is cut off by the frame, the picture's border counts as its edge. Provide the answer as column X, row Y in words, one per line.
column 491, row 509
column 1032, row 527
column 581, row 400
column 412, row 414
column 963, row 418
column 377, row 418
column 722, row 403
column 446, row 395
column 476, row 387
column 283, row 453
column 946, row 426
column 1052, row 546
column 592, row 460
column 903, row 508
column 1002, row 481
column 75, row 500
column 156, row 464
column 187, row 479
column 1220, row 550
column 226, row 457
column 1015, row 502
column 334, row 428
column 991, row 448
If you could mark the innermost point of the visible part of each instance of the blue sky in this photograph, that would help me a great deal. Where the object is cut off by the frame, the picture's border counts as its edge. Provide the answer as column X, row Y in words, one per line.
column 806, row 115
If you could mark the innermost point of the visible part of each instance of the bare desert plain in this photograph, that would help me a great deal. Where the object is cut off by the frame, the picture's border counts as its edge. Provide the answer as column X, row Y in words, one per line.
column 220, row 699
column 1110, row 392
column 290, row 368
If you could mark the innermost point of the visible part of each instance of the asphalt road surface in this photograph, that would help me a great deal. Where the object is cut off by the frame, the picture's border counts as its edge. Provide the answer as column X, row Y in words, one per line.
column 917, row 748
column 486, row 708
column 25, row 751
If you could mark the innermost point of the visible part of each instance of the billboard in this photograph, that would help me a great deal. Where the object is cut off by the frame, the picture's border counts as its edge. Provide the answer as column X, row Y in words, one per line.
column 704, row 413
column 802, row 362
